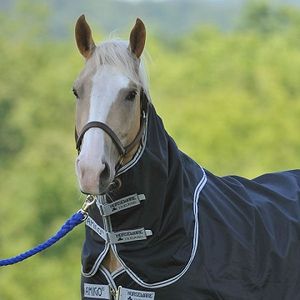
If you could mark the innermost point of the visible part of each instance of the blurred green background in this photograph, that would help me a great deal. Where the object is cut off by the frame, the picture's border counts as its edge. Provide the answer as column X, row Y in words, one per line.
column 224, row 77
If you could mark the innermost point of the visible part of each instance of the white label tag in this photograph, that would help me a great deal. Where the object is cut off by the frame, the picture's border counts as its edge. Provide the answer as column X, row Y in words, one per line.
column 120, row 236
column 128, row 294
column 121, row 204
column 128, row 236
column 93, row 225
column 96, row 291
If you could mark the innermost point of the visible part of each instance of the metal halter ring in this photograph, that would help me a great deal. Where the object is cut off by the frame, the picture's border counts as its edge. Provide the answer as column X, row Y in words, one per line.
column 89, row 201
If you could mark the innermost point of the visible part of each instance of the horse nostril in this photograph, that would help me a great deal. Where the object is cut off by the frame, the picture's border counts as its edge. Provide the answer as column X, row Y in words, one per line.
column 105, row 174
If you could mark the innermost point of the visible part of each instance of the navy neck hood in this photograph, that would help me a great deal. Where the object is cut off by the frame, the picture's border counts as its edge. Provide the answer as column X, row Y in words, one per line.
column 170, row 182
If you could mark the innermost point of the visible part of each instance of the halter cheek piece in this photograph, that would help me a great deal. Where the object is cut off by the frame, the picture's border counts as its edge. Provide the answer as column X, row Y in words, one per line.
column 123, row 150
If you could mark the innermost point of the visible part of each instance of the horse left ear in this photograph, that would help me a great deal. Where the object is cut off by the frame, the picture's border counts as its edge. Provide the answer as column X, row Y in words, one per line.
column 138, row 38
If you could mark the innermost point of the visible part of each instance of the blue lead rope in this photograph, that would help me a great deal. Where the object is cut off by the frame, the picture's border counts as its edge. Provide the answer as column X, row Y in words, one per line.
column 72, row 222
column 76, row 219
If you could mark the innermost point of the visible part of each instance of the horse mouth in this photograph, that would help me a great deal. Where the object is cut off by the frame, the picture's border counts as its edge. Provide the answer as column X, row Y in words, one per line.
column 100, row 189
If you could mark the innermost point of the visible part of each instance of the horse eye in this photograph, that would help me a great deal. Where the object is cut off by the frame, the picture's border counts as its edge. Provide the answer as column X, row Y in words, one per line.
column 131, row 95
column 75, row 93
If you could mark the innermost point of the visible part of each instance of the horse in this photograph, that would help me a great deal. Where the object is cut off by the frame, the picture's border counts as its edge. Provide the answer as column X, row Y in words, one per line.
column 162, row 226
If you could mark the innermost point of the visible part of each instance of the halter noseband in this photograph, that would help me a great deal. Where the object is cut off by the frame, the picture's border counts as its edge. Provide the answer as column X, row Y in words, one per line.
column 123, row 150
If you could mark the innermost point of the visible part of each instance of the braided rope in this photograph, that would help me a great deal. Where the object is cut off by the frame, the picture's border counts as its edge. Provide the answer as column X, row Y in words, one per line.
column 72, row 222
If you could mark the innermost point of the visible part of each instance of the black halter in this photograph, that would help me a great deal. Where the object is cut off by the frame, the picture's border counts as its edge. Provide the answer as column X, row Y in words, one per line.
column 123, row 150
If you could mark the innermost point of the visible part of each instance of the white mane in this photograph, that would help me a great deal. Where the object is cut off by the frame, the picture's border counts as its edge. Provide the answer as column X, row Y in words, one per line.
column 115, row 52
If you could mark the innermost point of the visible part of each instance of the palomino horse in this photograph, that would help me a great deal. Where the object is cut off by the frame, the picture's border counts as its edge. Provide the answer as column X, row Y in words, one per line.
column 162, row 227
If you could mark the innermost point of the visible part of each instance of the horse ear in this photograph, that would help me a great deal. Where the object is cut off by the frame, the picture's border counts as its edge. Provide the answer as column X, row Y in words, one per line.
column 138, row 38
column 84, row 39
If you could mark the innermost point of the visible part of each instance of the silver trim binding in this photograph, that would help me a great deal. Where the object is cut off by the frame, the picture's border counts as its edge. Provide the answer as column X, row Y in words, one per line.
column 139, row 152
column 108, row 277
column 117, row 272
column 97, row 263
column 169, row 281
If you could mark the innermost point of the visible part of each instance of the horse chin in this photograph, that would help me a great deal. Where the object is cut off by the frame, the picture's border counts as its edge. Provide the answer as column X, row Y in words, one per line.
column 106, row 185
column 105, row 188
column 98, row 190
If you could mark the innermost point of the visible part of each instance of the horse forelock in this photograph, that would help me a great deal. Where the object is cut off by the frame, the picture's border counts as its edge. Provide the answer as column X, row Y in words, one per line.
column 115, row 52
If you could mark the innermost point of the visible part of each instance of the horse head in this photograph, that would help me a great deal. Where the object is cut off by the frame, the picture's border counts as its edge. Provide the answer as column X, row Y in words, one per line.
column 109, row 92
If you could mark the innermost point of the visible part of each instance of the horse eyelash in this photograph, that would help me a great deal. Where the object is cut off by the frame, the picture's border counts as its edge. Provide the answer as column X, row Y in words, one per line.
column 75, row 93
column 131, row 95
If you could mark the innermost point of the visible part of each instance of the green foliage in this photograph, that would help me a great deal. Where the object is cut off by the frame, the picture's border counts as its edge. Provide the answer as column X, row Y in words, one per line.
column 266, row 19
column 12, row 139
column 231, row 101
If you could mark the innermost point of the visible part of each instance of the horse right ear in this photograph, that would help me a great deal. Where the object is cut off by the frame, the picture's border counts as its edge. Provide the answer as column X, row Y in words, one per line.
column 84, row 39
column 137, row 38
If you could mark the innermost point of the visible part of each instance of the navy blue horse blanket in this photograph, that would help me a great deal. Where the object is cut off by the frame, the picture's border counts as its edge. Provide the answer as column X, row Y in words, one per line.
column 182, row 233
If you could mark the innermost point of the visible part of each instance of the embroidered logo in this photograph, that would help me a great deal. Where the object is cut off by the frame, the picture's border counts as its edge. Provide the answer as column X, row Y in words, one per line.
column 119, row 205
column 128, row 235
column 94, row 226
column 128, row 294
column 96, row 291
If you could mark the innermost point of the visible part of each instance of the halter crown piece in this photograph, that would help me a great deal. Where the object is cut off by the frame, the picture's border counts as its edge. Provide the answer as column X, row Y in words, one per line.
column 123, row 150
